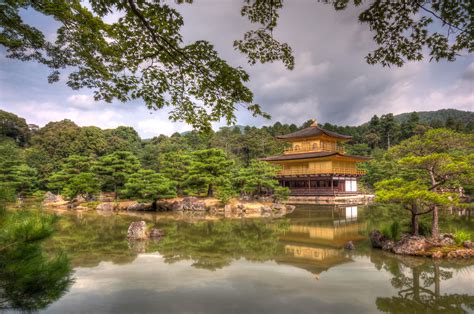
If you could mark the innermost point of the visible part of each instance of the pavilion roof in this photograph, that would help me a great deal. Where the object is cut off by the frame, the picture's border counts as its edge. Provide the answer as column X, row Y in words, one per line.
column 311, row 155
column 313, row 131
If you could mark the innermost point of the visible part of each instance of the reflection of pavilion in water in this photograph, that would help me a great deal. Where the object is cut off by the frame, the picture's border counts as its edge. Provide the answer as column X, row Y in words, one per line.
column 316, row 237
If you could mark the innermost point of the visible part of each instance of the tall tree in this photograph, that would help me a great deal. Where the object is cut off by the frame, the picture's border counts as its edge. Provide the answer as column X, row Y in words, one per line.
column 209, row 168
column 258, row 178
column 409, row 127
column 114, row 169
column 70, row 168
column 14, row 127
column 14, row 172
column 57, row 139
column 175, row 167
column 148, row 185
column 389, row 129
column 430, row 166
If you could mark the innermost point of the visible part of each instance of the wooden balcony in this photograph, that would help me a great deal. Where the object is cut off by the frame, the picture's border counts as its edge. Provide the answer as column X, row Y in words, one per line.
column 312, row 149
column 309, row 171
column 319, row 192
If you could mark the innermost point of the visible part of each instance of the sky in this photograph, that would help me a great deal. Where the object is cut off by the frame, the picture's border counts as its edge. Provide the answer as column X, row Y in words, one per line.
column 331, row 81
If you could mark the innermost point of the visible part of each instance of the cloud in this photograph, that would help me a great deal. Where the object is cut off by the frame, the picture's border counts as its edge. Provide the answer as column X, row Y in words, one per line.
column 82, row 101
column 160, row 125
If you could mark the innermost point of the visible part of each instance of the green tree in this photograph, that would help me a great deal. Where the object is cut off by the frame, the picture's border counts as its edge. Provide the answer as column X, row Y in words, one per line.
column 122, row 138
column 409, row 127
column 29, row 279
column 413, row 196
column 57, row 139
column 91, row 141
column 84, row 184
column 389, row 130
column 175, row 167
column 14, row 172
column 140, row 56
column 148, row 185
column 430, row 165
column 14, row 127
column 258, row 178
column 114, row 169
column 209, row 168
column 71, row 167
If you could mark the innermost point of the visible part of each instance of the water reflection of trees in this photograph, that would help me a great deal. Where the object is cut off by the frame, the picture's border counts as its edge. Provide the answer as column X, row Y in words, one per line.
column 419, row 284
column 89, row 239
column 213, row 245
column 29, row 279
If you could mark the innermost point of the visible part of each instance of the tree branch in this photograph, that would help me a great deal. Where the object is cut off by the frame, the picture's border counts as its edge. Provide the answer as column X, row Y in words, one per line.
column 440, row 18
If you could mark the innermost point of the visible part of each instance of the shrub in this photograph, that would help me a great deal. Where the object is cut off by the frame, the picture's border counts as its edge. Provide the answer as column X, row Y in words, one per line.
column 395, row 230
column 225, row 193
column 281, row 193
column 386, row 232
column 460, row 236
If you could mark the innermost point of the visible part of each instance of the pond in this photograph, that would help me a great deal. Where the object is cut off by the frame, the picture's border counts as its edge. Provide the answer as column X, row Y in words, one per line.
column 291, row 265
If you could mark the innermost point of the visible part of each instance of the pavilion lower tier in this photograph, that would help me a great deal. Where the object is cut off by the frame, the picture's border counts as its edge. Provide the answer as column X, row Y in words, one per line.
column 320, row 185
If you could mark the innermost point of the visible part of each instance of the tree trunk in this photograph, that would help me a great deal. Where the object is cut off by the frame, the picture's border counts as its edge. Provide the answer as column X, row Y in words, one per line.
column 437, row 281
column 210, row 192
column 414, row 224
column 434, row 224
column 416, row 283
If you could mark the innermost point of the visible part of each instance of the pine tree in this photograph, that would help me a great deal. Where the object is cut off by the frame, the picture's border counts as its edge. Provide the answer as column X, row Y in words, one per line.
column 114, row 169
column 208, row 169
column 148, row 185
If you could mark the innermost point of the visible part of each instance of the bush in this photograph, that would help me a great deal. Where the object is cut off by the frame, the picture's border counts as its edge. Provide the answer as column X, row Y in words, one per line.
column 393, row 231
column 281, row 193
column 461, row 236
column 386, row 232
column 424, row 228
column 225, row 193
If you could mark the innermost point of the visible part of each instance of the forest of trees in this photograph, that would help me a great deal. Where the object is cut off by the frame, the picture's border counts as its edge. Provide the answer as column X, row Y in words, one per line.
column 64, row 158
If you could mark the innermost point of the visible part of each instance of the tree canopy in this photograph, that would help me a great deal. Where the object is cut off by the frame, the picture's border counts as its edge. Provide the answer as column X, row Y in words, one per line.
column 142, row 54
column 429, row 168
column 148, row 185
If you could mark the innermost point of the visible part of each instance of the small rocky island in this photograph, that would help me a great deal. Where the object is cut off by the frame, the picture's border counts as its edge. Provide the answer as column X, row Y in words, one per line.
column 444, row 246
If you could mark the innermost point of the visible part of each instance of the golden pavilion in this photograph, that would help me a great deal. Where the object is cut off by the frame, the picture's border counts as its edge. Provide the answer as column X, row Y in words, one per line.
column 316, row 163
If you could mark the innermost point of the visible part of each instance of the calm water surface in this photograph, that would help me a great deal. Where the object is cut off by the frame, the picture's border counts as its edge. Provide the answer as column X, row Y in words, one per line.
column 291, row 265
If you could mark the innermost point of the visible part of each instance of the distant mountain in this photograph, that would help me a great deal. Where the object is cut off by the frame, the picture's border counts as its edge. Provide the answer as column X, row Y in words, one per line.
column 440, row 115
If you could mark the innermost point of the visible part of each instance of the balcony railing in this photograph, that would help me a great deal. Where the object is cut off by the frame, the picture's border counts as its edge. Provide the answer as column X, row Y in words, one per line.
column 310, row 148
column 335, row 170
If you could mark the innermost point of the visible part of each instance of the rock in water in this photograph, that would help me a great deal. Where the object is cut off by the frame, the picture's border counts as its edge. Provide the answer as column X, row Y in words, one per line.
column 388, row 245
column 139, row 207
column 377, row 239
column 411, row 245
column 461, row 253
column 105, row 207
column 468, row 244
column 50, row 197
column 156, row 233
column 137, row 231
column 446, row 239
column 437, row 255
column 349, row 246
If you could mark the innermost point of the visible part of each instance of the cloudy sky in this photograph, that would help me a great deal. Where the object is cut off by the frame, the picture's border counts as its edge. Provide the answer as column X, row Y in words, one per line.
column 331, row 81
